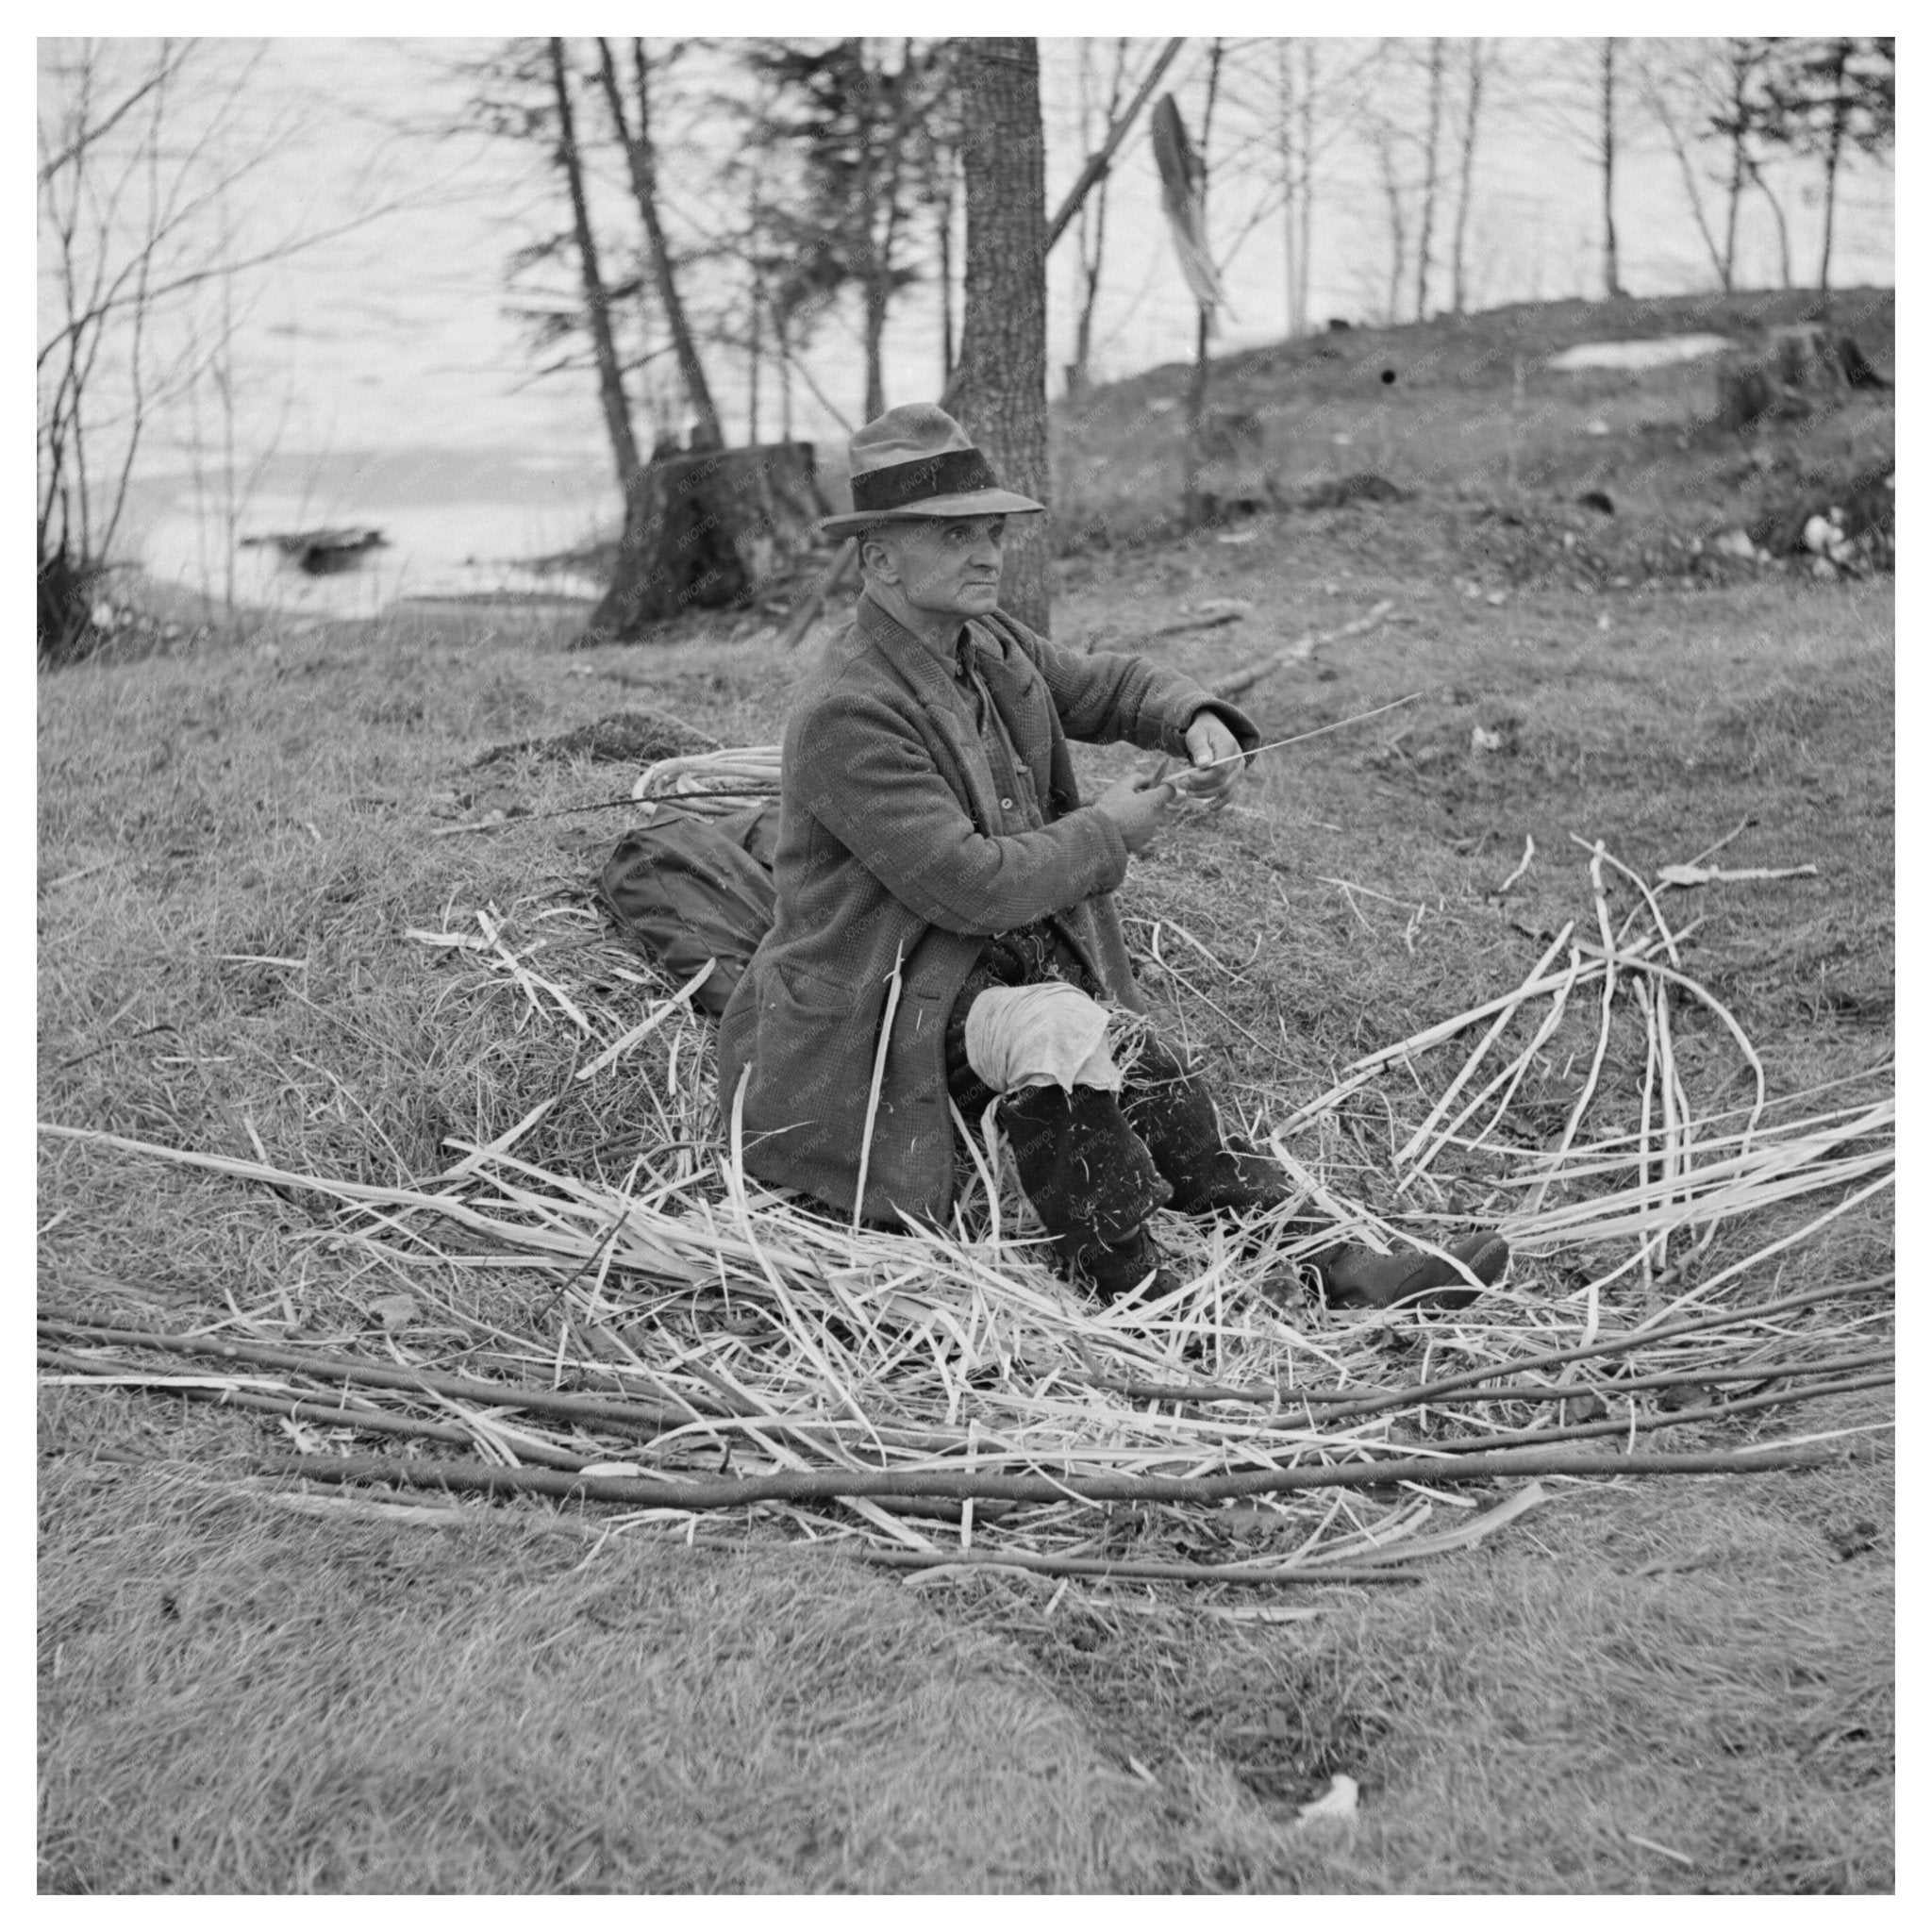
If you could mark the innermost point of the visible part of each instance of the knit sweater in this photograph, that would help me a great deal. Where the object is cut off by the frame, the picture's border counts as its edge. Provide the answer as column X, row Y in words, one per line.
column 894, row 865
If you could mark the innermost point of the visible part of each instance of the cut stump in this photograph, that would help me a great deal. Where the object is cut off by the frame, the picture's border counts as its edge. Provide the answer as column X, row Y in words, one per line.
column 708, row 529
column 1796, row 371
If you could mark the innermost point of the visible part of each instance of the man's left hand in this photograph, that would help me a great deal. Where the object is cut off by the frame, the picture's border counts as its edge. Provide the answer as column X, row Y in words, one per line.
column 1208, row 742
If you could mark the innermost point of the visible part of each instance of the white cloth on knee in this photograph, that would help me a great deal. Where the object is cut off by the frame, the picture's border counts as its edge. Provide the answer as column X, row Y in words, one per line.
column 1050, row 1035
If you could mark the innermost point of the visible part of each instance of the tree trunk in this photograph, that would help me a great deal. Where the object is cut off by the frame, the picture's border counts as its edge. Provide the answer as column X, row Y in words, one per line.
column 1613, row 285
column 640, row 158
column 1734, row 186
column 1457, row 287
column 1284, row 144
column 1734, row 193
column 1398, row 224
column 1777, row 215
column 1655, row 91
column 1001, row 393
column 1833, row 152
column 1196, row 508
column 945, row 236
column 867, row 201
column 623, row 447
column 876, row 300
column 882, row 230
column 1092, row 219
column 755, row 345
column 707, row 530
column 1430, row 148
column 1308, row 184
column 1194, row 504
column 755, row 356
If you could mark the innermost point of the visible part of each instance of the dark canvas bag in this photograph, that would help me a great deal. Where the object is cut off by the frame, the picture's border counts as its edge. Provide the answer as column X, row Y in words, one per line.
column 686, row 888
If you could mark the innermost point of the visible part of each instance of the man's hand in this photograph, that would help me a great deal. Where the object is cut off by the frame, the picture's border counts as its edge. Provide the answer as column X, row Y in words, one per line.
column 1137, row 809
column 1209, row 742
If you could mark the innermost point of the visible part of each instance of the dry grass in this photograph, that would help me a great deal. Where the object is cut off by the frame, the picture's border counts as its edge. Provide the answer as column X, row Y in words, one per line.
column 1512, row 1718
column 1683, row 1665
column 279, row 1703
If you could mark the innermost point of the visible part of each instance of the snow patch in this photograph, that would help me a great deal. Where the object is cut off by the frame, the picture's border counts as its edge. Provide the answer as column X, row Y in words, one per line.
column 1653, row 352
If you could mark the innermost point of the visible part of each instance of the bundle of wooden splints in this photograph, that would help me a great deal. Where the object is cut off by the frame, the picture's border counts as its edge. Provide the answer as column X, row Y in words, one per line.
column 651, row 1442
column 711, row 783
column 691, row 1342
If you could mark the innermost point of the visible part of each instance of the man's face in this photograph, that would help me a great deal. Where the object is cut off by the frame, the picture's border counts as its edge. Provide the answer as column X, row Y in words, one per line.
column 947, row 565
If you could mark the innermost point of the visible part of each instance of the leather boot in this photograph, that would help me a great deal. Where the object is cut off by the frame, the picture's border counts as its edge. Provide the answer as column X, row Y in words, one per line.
column 1113, row 1269
column 1356, row 1277
column 1170, row 1111
column 1092, row 1183
column 1084, row 1169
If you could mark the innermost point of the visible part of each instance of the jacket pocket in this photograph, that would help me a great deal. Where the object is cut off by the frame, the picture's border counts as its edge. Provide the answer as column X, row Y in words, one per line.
column 813, row 993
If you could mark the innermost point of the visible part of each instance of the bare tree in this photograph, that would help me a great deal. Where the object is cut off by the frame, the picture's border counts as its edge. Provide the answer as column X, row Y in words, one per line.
column 1777, row 216
column 1317, row 107
column 943, row 194
column 1669, row 79
column 641, row 159
column 1192, row 506
column 1606, row 152
column 140, row 145
column 1734, row 117
column 1305, row 212
column 1711, row 97
column 1745, row 95
column 859, row 126
column 1828, row 99
column 755, row 299
column 1385, row 140
column 1294, row 260
column 1281, row 107
column 1480, row 58
column 1575, row 95
column 1096, row 120
column 1431, row 140
column 616, row 405
column 760, row 175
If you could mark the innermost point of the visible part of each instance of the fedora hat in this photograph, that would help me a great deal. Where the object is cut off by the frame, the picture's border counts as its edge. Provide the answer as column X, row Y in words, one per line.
column 916, row 462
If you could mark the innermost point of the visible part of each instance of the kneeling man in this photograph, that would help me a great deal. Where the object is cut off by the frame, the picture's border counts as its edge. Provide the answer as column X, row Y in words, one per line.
column 945, row 922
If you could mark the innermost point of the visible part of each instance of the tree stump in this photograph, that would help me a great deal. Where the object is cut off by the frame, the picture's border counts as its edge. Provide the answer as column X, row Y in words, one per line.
column 709, row 530
column 1797, row 372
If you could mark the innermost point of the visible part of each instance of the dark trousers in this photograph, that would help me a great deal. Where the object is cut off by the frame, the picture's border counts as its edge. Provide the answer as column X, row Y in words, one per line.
column 1095, row 1165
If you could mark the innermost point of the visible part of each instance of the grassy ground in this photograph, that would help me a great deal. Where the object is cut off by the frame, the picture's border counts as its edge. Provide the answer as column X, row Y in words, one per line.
column 1462, row 414
column 1681, row 1688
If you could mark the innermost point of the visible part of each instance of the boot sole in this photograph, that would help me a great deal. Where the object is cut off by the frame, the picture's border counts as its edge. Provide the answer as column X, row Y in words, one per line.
column 1435, row 1287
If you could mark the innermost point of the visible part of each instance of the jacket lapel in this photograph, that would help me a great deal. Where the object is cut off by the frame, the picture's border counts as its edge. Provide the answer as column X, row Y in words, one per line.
column 1015, row 689
column 941, row 703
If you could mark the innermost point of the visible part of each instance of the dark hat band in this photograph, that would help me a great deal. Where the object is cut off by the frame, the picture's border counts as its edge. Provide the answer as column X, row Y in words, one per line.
column 897, row 485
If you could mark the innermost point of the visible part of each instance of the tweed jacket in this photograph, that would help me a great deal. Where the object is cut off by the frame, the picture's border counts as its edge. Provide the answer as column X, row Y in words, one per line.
column 894, row 860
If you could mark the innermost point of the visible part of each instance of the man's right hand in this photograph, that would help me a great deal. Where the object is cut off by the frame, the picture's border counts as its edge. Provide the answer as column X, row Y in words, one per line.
column 1139, row 809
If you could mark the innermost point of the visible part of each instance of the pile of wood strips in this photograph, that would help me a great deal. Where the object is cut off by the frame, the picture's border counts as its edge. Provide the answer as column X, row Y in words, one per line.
column 694, row 1343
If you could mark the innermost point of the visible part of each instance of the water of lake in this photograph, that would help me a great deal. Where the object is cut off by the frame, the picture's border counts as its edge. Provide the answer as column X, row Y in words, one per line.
column 445, row 547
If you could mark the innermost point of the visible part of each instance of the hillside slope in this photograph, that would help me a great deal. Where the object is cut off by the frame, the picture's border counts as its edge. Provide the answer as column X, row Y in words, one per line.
column 1465, row 415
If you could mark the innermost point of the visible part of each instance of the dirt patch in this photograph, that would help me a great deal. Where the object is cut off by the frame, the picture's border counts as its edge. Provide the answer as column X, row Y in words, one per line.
column 622, row 738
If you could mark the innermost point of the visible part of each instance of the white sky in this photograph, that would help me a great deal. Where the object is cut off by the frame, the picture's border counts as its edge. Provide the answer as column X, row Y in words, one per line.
column 394, row 337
